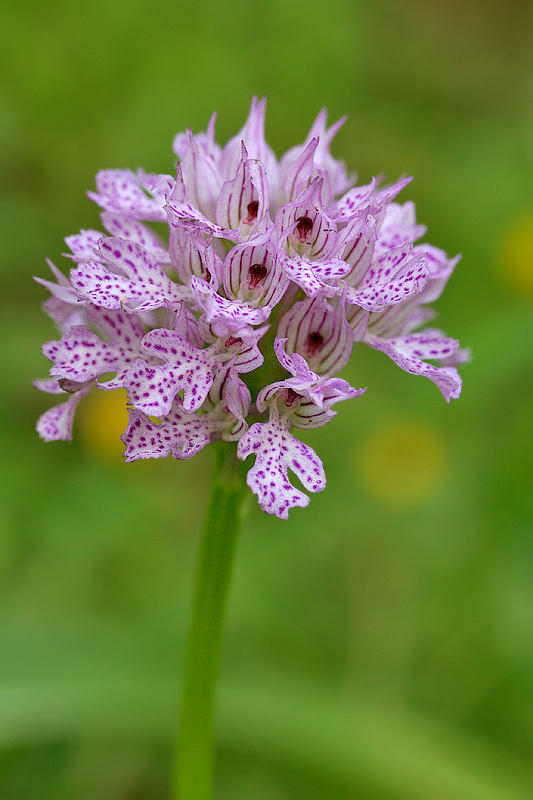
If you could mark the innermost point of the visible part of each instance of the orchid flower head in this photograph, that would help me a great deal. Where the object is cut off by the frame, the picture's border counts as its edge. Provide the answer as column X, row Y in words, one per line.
column 234, row 318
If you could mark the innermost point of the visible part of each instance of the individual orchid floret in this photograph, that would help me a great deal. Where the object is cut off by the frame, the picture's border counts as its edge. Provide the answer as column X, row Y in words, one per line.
column 319, row 331
column 405, row 316
column 230, row 399
column 304, row 388
column 307, row 238
column 243, row 202
column 304, row 227
column 391, row 330
column 183, row 434
column 235, row 317
column 232, row 342
column 253, row 272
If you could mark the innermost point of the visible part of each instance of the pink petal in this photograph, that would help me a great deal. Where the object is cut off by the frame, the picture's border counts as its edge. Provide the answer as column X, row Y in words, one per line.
column 276, row 451
column 152, row 389
column 180, row 434
column 409, row 351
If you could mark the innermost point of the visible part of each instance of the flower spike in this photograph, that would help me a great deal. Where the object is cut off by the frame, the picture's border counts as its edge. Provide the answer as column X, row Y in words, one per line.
column 234, row 319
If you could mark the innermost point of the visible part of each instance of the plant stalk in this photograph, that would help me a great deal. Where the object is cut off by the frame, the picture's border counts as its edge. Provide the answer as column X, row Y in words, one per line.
column 194, row 758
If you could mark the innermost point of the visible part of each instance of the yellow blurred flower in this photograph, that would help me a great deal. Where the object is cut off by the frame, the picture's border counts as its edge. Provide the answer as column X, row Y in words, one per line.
column 103, row 418
column 402, row 463
column 515, row 255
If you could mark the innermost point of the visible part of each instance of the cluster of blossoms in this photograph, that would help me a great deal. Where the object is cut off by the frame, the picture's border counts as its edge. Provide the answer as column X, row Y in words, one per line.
column 235, row 326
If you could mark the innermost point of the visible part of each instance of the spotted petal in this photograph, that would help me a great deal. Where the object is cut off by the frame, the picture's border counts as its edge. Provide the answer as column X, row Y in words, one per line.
column 217, row 308
column 315, row 277
column 152, row 389
column 361, row 196
column 186, row 216
column 135, row 231
column 410, row 351
column 121, row 192
column 398, row 227
column 276, row 451
column 179, row 433
column 393, row 278
column 56, row 423
column 83, row 245
column 353, row 202
column 81, row 355
column 142, row 286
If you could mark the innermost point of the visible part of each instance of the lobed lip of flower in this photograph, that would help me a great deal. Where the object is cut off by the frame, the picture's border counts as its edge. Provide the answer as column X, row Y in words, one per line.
column 267, row 266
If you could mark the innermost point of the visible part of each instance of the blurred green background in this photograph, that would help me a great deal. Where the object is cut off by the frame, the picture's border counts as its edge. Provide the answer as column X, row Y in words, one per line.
column 376, row 648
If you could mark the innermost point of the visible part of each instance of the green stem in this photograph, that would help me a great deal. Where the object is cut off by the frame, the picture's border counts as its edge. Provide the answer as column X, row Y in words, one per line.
column 194, row 766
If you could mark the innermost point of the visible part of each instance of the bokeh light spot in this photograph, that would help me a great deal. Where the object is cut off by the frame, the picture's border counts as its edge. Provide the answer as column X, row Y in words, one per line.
column 515, row 255
column 402, row 463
